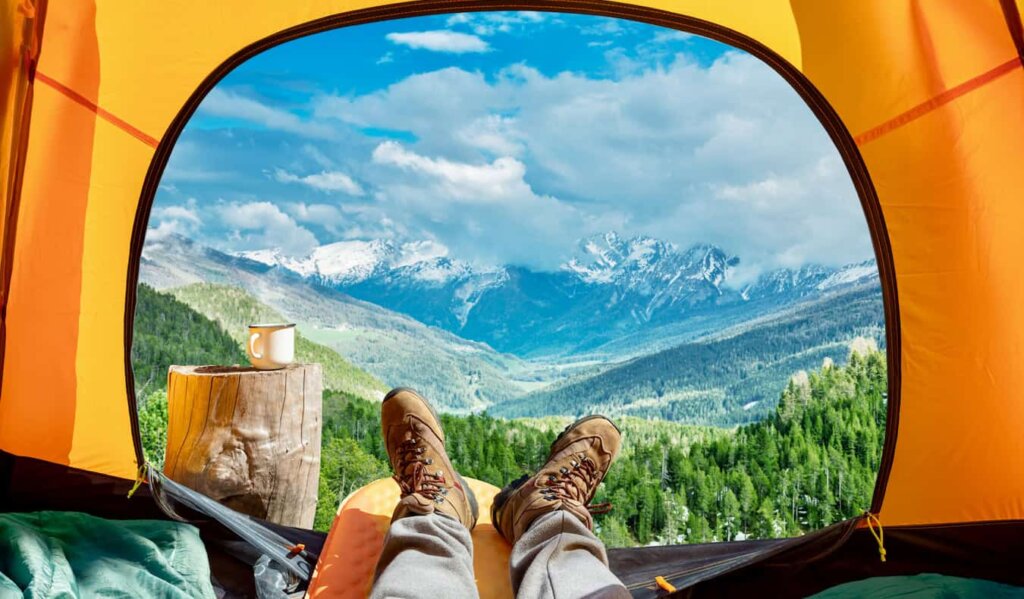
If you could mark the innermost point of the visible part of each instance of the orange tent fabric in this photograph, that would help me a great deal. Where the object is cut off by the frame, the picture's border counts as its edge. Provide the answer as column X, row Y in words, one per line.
column 924, row 99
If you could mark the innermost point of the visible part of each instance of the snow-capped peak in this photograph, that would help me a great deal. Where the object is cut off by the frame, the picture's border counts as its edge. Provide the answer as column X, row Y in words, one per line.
column 810, row 279
column 651, row 272
column 351, row 262
column 850, row 274
column 605, row 258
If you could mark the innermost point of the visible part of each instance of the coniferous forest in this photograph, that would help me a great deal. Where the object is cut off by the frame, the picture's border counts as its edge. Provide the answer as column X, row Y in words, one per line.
column 811, row 463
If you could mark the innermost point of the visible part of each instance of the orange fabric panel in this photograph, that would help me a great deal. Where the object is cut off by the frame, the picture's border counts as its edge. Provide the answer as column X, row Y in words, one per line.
column 951, row 188
column 103, row 435
column 39, row 384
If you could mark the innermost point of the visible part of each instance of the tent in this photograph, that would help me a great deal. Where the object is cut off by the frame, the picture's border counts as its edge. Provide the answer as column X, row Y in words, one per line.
column 924, row 99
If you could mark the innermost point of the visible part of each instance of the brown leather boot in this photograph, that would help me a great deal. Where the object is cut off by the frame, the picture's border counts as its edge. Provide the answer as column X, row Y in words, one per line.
column 415, row 445
column 579, row 459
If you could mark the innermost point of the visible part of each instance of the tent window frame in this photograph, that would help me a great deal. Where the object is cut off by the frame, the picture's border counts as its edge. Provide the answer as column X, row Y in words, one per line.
column 815, row 100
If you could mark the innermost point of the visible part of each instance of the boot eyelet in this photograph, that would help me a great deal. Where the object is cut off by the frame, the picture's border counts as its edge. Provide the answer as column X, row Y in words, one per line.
column 428, row 461
column 563, row 470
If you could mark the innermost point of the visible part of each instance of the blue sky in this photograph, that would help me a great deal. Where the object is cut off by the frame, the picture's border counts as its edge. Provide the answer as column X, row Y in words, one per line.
column 505, row 138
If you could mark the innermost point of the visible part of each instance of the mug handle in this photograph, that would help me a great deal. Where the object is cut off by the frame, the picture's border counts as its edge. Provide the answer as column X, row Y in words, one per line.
column 252, row 346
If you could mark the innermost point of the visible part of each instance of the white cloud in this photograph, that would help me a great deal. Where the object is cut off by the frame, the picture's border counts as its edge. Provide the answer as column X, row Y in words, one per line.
column 386, row 58
column 493, row 133
column 489, row 23
column 165, row 229
column 727, row 154
column 174, row 219
column 183, row 213
column 258, row 225
column 224, row 103
column 497, row 181
column 326, row 181
column 441, row 40
column 485, row 212
column 670, row 35
column 606, row 26
column 322, row 214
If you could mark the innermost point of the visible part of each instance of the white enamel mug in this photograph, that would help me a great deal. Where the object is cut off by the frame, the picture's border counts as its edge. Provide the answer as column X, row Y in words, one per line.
column 271, row 346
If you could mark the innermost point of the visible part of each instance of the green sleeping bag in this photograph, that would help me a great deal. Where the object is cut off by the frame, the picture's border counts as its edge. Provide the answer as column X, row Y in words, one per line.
column 922, row 586
column 60, row 555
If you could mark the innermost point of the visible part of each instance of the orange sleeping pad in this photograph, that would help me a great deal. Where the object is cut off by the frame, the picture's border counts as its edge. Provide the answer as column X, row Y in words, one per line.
column 350, row 554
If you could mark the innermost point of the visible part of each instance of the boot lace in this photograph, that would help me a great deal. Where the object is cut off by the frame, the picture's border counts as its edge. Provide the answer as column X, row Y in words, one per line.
column 576, row 483
column 419, row 479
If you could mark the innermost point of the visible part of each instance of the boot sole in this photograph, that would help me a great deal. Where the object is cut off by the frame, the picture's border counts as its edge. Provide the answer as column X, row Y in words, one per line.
column 470, row 495
column 503, row 496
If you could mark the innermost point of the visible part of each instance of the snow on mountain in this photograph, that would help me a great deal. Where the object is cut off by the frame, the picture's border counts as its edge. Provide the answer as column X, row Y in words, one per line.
column 809, row 280
column 613, row 283
column 609, row 258
column 351, row 262
column 786, row 281
column 652, row 268
column 851, row 274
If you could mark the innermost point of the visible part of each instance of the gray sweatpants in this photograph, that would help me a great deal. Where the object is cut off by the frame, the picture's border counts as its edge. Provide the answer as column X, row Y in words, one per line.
column 431, row 556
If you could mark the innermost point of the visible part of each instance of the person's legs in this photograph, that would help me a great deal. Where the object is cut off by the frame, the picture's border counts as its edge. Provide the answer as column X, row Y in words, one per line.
column 558, row 557
column 428, row 551
column 426, row 556
column 547, row 519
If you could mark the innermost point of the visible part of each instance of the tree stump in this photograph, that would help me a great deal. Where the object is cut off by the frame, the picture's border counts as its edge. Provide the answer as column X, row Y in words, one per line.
column 248, row 438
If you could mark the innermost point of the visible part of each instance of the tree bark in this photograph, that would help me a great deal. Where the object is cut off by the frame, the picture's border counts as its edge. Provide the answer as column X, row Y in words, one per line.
column 248, row 438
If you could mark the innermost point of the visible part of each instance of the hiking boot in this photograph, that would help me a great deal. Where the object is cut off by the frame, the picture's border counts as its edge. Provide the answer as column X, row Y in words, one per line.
column 415, row 445
column 579, row 459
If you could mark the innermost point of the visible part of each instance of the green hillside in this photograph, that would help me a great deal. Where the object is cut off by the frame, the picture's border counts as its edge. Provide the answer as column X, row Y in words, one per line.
column 811, row 464
column 168, row 332
column 234, row 310
column 723, row 381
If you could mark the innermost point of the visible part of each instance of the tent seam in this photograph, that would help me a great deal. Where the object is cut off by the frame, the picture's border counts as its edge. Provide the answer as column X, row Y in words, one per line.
column 106, row 115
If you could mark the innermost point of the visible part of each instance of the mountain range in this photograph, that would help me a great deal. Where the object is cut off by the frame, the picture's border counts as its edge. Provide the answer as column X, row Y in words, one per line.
column 614, row 289
column 628, row 326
